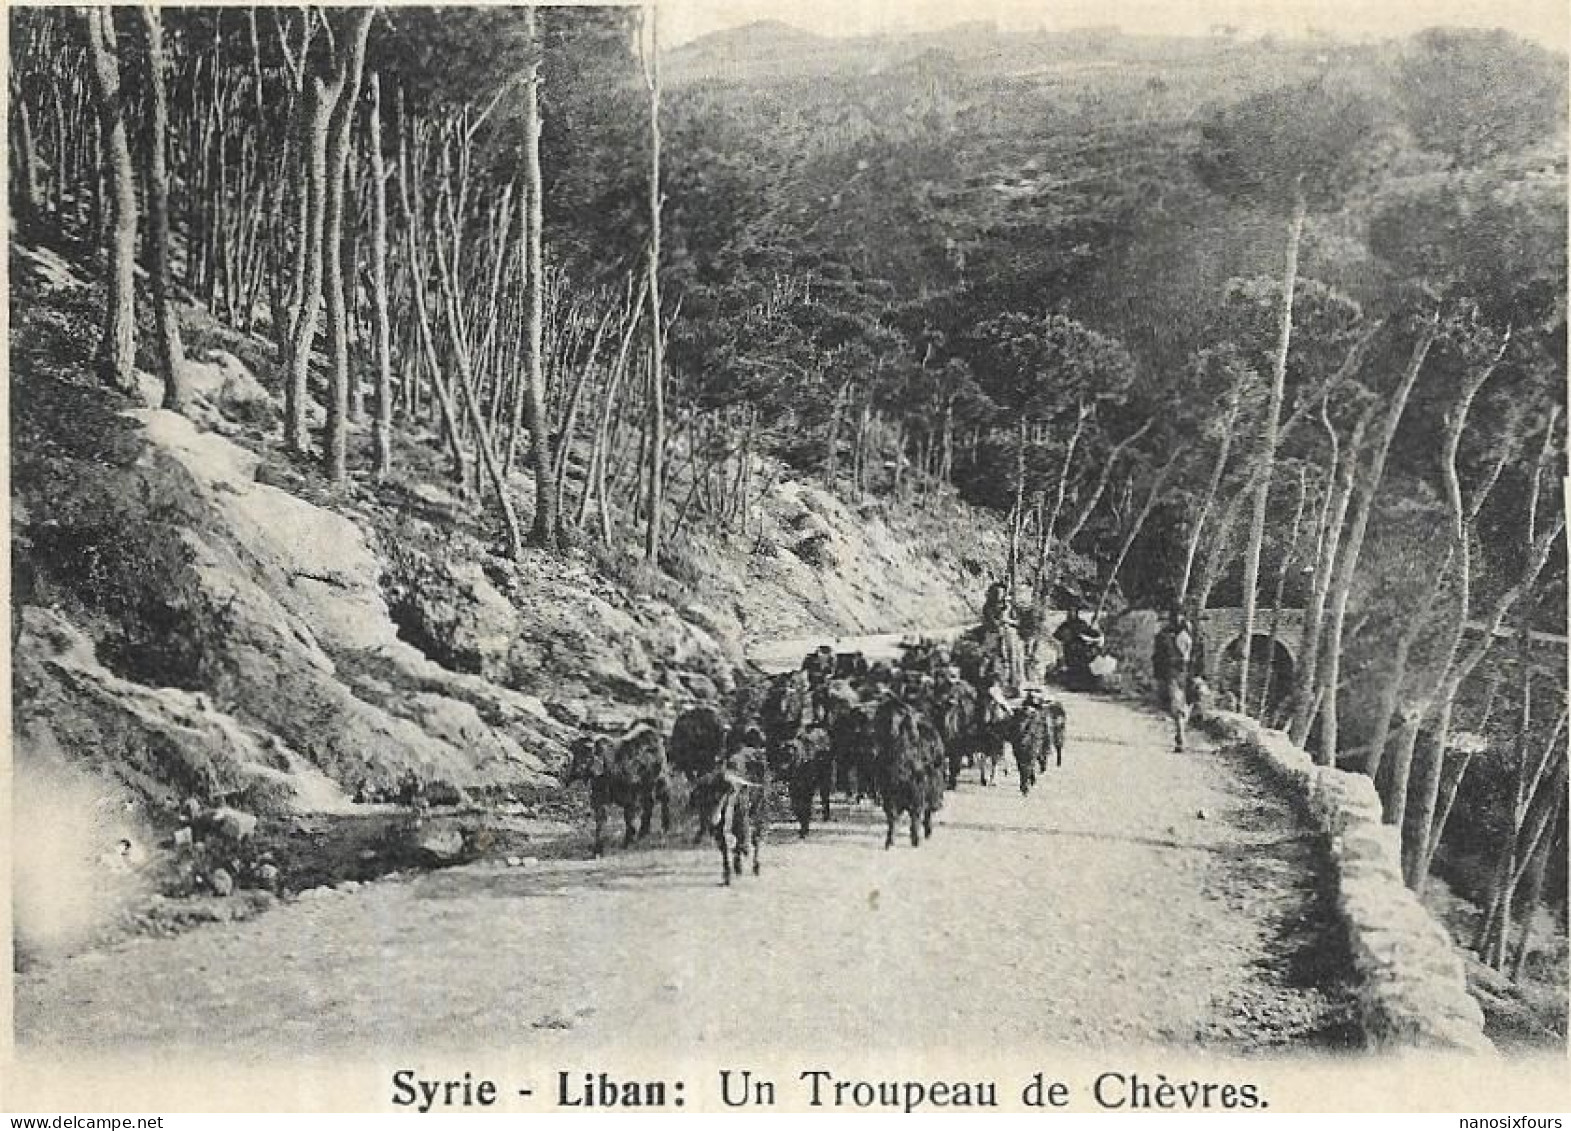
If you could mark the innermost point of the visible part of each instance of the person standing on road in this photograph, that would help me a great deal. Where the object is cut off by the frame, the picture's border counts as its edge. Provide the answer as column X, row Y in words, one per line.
column 1000, row 639
column 1196, row 684
column 1170, row 663
column 1080, row 642
column 1012, row 652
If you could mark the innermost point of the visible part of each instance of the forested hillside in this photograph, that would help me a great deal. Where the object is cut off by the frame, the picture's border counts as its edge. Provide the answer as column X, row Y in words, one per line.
column 1214, row 322
column 577, row 361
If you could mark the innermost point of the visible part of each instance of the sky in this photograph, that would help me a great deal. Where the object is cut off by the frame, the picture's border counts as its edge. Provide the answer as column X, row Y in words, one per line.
column 1547, row 21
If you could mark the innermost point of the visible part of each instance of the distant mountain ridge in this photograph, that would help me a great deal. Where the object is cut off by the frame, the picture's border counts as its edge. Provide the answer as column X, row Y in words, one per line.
column 771, row 50
column 757, row 36
column 774, row 48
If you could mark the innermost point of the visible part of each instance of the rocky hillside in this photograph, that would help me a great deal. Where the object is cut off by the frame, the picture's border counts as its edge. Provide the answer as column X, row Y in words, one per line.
column 199, row 618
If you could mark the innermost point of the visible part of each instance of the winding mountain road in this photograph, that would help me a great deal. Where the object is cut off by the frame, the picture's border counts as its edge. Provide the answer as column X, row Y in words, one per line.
column 1137, row 897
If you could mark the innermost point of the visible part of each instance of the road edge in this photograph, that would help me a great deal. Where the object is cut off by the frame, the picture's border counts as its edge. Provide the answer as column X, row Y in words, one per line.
column 1412, row 983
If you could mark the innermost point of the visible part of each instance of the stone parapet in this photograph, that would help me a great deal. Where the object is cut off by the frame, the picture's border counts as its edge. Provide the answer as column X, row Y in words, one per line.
column 1413, row 988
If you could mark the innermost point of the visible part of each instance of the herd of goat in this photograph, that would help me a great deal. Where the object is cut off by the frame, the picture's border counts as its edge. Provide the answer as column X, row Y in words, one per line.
column 898, row 733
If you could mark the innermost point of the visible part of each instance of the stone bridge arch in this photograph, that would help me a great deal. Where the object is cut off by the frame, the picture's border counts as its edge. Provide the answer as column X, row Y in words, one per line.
column 1222, row 629
column 1273, row 663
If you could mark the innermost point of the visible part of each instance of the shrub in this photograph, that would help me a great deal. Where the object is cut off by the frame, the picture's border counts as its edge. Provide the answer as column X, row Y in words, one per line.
column 630, row 573
column 612, row 562
column 257, row 415
column 816, row 549
column 765, row 546
column 116, row 548
column 680, row 562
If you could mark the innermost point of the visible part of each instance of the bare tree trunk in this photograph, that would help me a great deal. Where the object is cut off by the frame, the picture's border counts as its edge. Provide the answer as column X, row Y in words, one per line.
column 638, row 495
column 860, row 447
column 408, row 199
column 355, row 206
column 199, row 189
column 103, row 209
column 1089, row 509
column 946, row 462
column 900, row 457
column 171, row 355
column 498, row 350
column 1456, row 425
column 1220, row 551
column 297, row 140
column 31, row 46
column 382, row 426
column 1535, row 893
column 1047, row 528
column 1391, row 697
column 1218, row 468
column 257, row 257
column 575, row 398
column 745, row 472
column 1042, row 577
column 594, row 481
column 1526, row 787
column 1486, row 941
column 213, row 170
column 1342, row 585
column 1454, row 777
column 117, row 348
column 26, row 183
column 448, row 272
column 1135, row 527
column 63, row 164
column 602, row 486
column 347, row 85
column 441, row 391
column 832, row 444
column 1017, row 514
column 1268, row 446
column 320, row 99
column 858, row 437
column 1307, row 695
column 1288, row 560
column 546, row 518
column 1547, row 806
column 219, row 184
column 1419, row 852
column 252, row 256
column 656, row 327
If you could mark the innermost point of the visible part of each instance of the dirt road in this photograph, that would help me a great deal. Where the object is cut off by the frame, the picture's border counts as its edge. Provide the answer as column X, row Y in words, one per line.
column 1103, row 910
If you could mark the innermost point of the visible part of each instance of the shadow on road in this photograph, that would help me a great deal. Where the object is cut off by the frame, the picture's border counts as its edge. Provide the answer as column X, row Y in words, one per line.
column 612, row 873
column 1084, row 834
column 566, row 866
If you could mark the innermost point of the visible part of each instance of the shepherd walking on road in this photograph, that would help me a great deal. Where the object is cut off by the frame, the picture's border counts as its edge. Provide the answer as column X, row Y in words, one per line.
column 999, row 623
column 1171, row 657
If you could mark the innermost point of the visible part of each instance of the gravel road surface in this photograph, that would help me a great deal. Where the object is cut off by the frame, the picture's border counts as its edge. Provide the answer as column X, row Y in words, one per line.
column 1137, row 897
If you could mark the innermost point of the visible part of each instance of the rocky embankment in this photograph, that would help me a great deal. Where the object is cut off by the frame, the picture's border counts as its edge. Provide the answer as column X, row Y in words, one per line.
column 202, row 623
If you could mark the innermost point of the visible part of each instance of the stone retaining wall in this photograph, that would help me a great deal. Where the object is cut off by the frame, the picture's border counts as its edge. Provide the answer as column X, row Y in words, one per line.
column 1413, row 988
